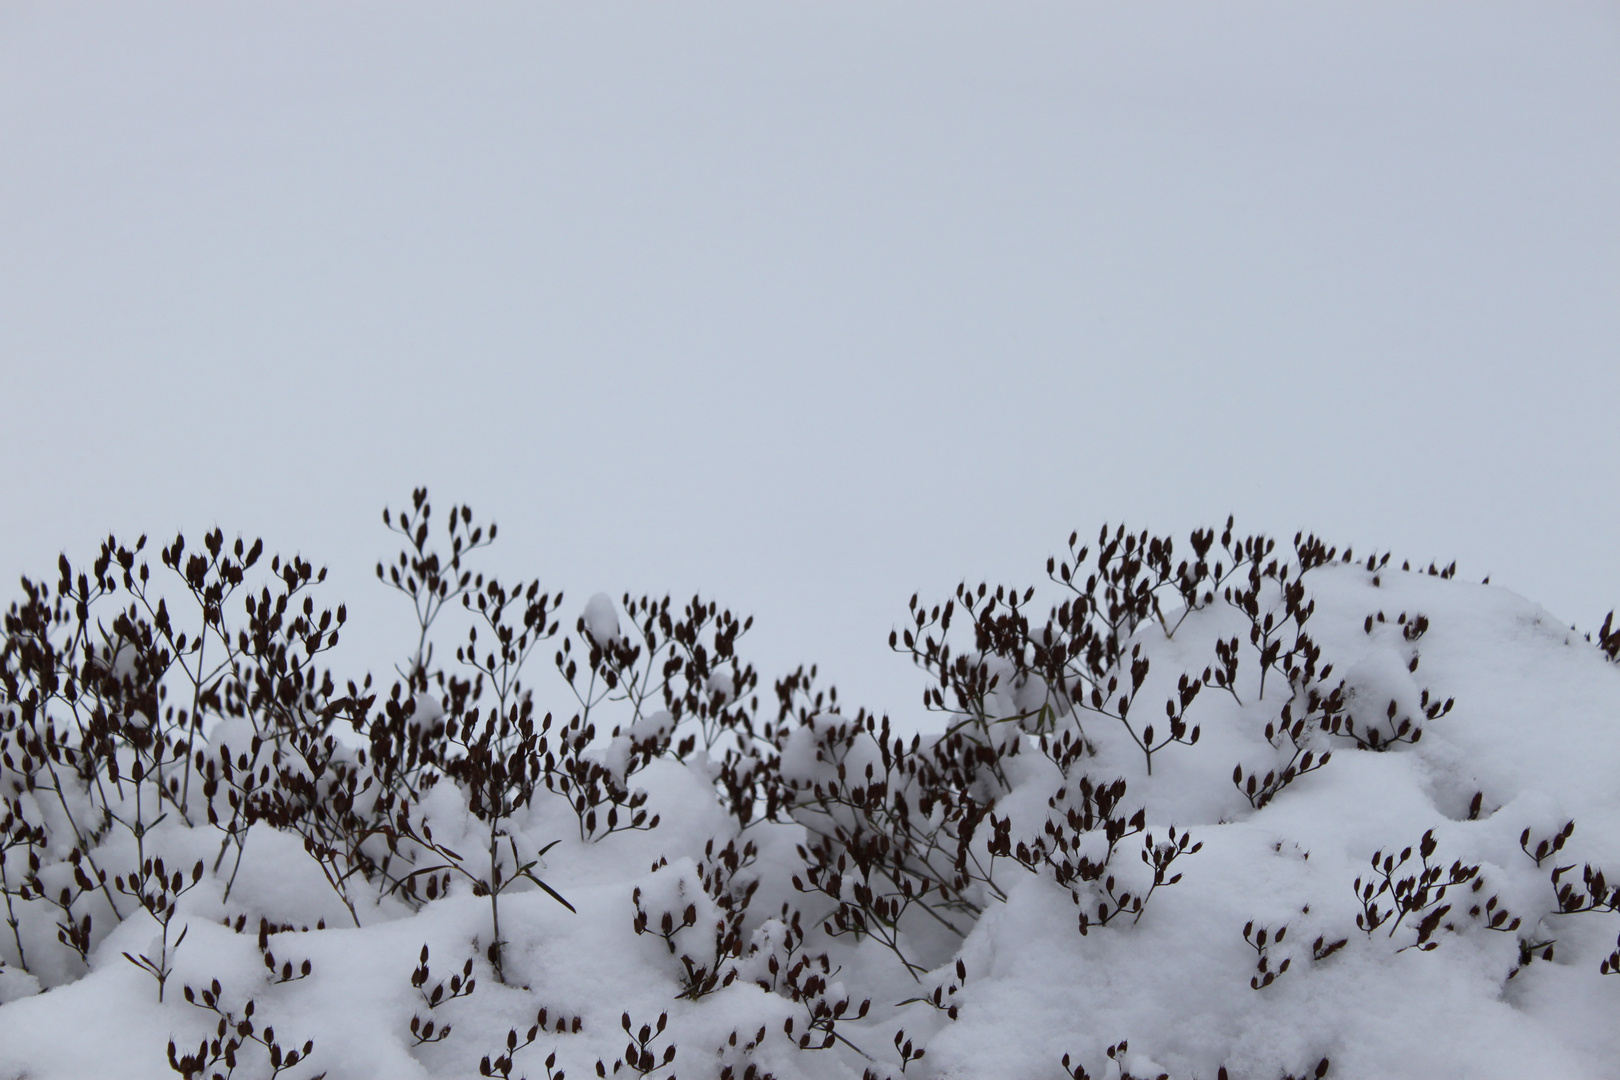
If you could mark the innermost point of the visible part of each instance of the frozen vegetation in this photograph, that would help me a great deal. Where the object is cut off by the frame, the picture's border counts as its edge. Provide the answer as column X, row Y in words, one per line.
column 1226, row 806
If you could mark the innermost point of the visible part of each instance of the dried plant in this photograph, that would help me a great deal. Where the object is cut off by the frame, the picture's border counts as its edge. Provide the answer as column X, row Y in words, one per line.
column 1388, row 900
column 639, row 1055
column 135, row 705
column 234, row 1034
column 501, row 1064
column 460, row 986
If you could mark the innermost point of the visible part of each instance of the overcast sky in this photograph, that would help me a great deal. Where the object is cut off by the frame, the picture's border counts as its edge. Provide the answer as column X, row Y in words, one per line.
column 810, row 307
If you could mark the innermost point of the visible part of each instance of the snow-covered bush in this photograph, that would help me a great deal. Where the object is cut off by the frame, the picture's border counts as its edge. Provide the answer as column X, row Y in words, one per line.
column 1347, row 847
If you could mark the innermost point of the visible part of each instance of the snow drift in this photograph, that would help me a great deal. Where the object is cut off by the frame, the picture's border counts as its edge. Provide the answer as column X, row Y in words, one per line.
column 1228, row 808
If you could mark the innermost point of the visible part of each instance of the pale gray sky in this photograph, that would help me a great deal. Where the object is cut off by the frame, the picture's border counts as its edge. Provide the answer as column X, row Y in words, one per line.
column 813, row 306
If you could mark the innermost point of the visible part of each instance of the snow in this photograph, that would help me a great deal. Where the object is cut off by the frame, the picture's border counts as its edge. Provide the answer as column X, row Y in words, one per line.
column 602, row 620
column 1532, row 730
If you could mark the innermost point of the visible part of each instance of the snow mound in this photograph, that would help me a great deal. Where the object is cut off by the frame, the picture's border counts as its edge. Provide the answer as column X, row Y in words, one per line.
column 1237, row 814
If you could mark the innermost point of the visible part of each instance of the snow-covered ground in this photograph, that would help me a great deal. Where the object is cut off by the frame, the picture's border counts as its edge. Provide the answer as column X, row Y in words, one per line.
column 1016, row 915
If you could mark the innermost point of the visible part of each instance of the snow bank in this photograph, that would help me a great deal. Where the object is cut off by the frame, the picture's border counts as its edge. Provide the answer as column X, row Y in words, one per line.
column 1174, row 854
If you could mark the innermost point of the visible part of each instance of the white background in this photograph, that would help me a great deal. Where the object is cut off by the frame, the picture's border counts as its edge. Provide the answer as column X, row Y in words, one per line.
column 809, row 307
